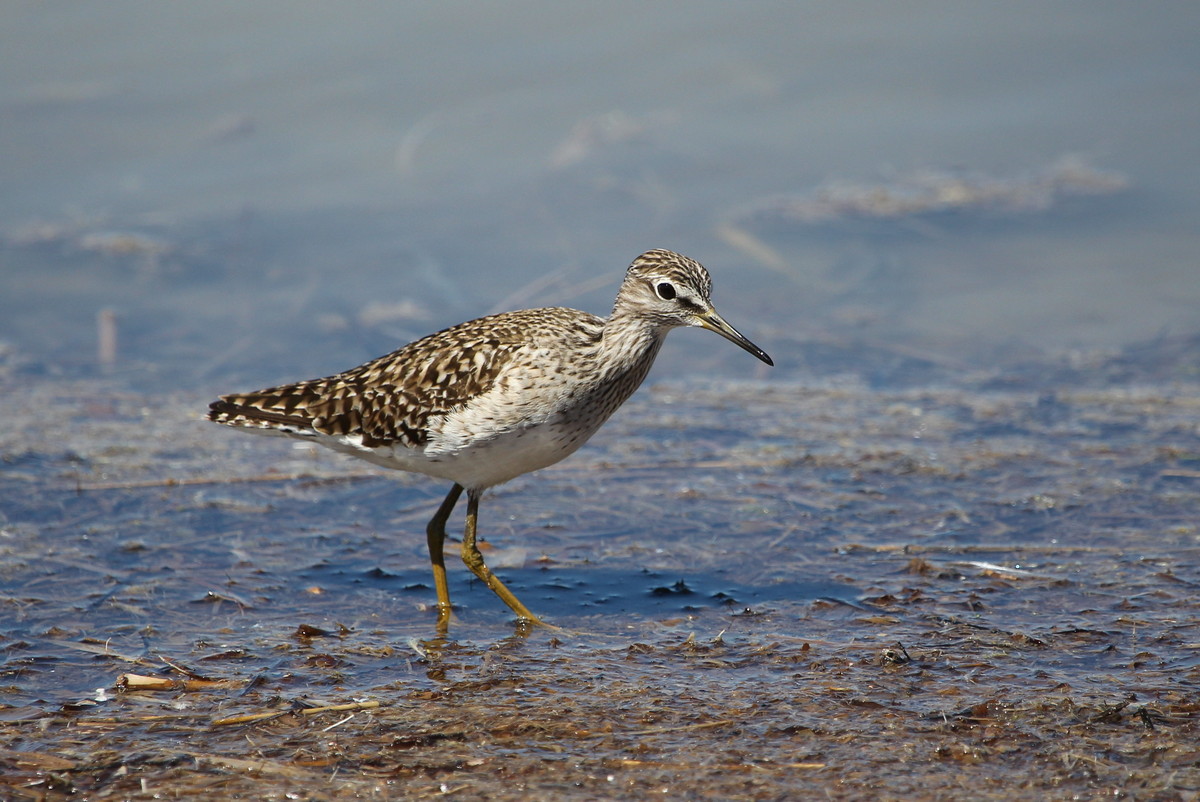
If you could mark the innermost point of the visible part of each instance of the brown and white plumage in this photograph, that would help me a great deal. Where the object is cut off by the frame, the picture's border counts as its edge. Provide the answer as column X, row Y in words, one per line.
column 490, row 399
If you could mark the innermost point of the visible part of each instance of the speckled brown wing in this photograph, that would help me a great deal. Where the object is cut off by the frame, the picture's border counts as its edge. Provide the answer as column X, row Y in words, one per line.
column 391, row 400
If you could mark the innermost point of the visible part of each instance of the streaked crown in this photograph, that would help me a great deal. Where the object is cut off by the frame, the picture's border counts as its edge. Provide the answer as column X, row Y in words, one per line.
column 665, row 287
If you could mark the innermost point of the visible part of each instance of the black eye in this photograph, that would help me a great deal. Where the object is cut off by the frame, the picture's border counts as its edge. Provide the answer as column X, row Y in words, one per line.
column 666, row 291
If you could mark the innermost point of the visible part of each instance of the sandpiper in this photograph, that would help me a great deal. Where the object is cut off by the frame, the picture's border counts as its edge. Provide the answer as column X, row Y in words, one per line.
column 485, row 401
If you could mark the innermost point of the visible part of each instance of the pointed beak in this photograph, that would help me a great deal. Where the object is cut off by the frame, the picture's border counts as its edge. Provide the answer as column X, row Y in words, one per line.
column 714, row 322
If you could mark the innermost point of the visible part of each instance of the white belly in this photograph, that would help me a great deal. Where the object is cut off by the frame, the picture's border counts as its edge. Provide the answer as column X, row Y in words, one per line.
column 478, row 464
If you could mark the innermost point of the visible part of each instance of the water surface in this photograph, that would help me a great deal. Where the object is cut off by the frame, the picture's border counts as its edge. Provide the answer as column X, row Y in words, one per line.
column 947, row 547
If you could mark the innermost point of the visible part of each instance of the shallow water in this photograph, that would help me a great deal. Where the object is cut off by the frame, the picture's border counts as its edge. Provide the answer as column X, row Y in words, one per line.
column 946, row 548
column 915, row 591
column 261, row 193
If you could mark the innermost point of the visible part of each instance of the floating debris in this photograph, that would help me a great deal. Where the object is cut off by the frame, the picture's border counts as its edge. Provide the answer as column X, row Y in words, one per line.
column 936, row 192
column 597, row 132
column 87, row 236
column 106, row 338
column 124, row 243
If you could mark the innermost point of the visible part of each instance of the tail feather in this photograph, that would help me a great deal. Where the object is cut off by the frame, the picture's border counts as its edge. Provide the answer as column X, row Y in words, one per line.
column 235, row 411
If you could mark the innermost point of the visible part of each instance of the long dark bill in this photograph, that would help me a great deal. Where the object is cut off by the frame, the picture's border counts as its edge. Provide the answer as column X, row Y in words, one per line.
column 714, row 322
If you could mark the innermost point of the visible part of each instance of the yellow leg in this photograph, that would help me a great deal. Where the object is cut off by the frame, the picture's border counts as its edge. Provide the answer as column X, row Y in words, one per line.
column 435, row 532
column 474, row 561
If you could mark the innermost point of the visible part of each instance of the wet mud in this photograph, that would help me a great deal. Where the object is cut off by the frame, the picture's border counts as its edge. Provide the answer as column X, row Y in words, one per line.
column 765, row 591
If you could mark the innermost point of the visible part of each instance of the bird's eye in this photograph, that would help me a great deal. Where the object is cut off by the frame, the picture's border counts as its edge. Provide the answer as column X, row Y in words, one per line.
column 666, row 291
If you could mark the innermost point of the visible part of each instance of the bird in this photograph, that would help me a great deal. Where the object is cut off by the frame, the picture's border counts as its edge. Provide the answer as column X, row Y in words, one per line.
column 485, row 401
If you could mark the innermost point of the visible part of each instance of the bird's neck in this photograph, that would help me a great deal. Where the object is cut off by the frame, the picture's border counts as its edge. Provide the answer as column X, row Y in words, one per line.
column 628, row 344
